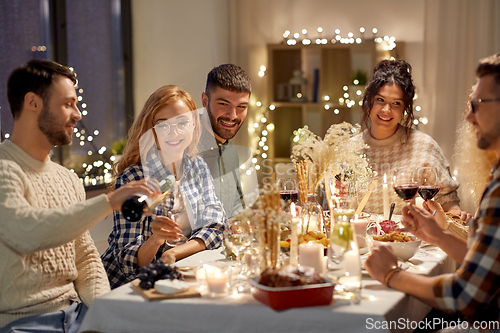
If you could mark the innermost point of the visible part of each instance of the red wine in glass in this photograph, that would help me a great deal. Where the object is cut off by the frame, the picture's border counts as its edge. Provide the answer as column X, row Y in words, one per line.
column 428, row 192
column 429, row 183
column 290, row 196
column 406, row 192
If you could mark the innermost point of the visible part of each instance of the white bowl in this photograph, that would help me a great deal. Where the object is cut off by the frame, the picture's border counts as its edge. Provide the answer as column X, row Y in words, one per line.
column 403, row 250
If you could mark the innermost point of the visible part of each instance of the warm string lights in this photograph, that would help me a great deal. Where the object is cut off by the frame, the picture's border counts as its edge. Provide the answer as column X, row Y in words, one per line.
column 99, row 169
column 263, row 127
column 304, row 39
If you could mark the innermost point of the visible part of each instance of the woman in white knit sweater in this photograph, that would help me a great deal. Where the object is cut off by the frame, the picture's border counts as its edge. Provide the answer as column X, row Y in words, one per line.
column 387, row 119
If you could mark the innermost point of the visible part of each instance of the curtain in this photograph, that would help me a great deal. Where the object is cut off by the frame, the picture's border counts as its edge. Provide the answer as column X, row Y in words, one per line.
column 457, row 34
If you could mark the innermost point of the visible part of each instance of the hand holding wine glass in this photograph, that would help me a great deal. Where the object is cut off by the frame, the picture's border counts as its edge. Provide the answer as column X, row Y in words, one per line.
column 428, row 185
column 404, row 183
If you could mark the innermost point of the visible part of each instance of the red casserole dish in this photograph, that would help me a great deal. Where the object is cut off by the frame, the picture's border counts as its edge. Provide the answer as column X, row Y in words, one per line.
column 292, row 297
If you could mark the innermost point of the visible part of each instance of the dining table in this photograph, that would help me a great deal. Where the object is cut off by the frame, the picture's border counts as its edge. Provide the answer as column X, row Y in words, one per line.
column 381, row 309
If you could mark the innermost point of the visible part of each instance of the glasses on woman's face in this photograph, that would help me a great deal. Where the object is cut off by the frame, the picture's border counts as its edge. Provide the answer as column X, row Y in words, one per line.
column 165, row 127
column 480, row 100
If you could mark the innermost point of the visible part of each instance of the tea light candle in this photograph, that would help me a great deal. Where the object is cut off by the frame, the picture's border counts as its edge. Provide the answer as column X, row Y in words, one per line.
column 217, row 280
column 294, row 237
column 311, row 255
column 201, row 277
column 385, row 195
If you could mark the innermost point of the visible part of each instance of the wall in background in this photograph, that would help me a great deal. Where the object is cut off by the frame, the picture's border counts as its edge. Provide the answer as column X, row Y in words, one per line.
column 177, row 42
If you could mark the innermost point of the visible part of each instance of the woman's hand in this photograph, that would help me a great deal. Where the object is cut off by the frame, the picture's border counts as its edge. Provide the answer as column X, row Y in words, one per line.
column 422, row 224
column 168, row 257
column 464, row 216
column 380, row 261
column 164, row 228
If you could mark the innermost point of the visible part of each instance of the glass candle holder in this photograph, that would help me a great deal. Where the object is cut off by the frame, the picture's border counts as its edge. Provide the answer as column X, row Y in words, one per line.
column 218, row 281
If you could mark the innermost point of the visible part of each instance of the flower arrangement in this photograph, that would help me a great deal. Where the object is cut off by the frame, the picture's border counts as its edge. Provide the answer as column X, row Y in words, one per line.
column 336, row 156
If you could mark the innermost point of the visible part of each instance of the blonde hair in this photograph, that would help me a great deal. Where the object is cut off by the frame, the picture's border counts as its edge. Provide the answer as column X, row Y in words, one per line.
column 473, row 164
column 162, row 97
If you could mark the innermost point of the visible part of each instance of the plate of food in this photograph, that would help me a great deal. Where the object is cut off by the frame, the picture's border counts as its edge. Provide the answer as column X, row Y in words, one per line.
column 311, row 236
column 404, row 246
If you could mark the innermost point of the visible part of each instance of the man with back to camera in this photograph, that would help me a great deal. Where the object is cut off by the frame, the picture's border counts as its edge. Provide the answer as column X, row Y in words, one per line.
column 473, row 291
column 226, row 100
column 50, row 270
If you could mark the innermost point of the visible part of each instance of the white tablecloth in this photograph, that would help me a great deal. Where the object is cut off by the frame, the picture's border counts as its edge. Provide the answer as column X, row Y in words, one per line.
column 123, row 310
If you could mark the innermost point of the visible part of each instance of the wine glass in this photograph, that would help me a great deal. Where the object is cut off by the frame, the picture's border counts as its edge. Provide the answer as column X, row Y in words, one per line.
column 237, row 237
column 177, row 212
column 428, row 185
column 288, row 191
column 404, row 183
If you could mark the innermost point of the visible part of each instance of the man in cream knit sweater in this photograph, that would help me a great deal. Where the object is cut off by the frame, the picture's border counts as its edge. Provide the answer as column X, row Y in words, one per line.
column 50, row 270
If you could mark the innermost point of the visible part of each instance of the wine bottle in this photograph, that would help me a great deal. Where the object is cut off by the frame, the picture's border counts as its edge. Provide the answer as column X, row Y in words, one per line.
column 139, row 204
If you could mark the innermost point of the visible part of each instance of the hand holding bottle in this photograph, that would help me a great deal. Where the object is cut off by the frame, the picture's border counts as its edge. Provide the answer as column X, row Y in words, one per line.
column 143, row 203
column 118, row 196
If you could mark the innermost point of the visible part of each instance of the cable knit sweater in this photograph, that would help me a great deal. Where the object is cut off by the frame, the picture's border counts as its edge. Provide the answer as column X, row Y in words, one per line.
column 47, row 257
column 419, row 151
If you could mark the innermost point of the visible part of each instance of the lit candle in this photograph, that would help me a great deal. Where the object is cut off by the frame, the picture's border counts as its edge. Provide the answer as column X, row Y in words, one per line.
column 217, row 281
column 385, row 195
column 360, row 226
column 311, row 255
column 294, row 237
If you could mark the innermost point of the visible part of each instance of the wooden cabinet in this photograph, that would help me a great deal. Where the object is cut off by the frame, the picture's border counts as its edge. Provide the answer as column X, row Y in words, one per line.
column 335, row 66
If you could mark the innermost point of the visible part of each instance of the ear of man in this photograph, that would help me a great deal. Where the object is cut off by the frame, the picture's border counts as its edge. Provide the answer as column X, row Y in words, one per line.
column 204, row 99
column 33, row 102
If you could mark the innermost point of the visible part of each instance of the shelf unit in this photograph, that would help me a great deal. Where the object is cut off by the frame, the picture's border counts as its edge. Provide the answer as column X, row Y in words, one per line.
column 336, row 65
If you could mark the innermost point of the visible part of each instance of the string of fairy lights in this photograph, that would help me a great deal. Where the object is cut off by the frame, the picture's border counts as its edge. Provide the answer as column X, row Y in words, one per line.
column 351, row 95
column 98, row 171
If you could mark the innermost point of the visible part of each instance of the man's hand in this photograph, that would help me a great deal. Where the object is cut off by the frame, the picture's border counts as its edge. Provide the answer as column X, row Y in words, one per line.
column 422, row 224
column 440, row 215
column 381, row 260
column 118, row 196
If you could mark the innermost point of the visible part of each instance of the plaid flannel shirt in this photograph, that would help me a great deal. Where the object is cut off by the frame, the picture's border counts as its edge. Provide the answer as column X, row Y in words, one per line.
column 474, row 289
column 120, row 258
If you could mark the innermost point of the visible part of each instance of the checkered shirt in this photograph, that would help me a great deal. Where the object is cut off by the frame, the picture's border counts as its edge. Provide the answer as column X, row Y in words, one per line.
column 120, row 258
column 474, row 289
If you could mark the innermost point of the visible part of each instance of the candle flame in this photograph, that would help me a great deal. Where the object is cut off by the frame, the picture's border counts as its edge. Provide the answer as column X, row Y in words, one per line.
column 385, row 178
column 310, row 243
column 292, row 209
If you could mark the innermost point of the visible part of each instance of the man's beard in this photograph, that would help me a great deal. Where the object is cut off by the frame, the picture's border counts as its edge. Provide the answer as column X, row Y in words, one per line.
column 483, row 143
column 225, row 134
column 50, row 127
column 485, row 140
